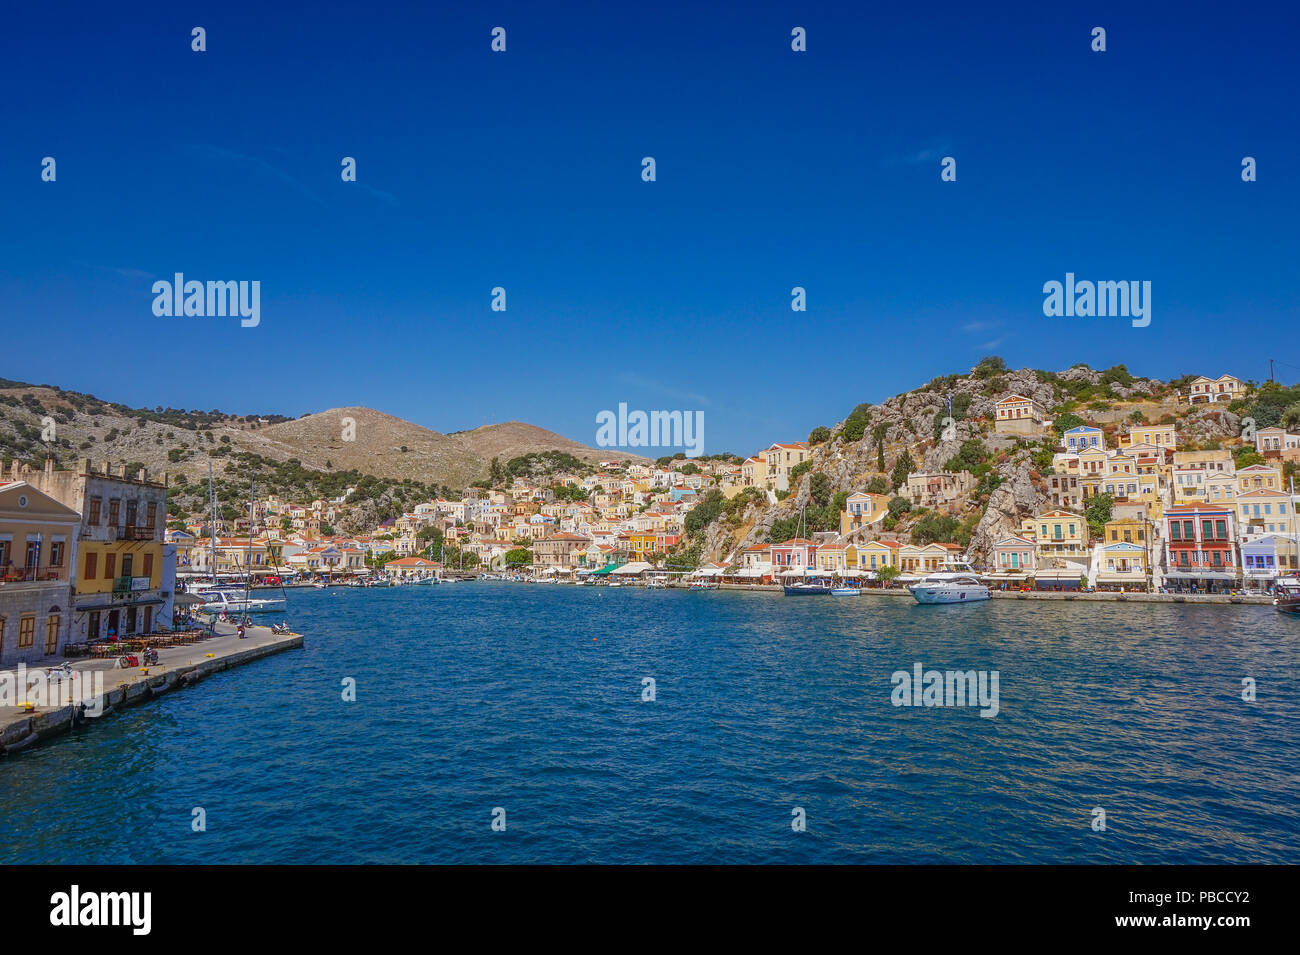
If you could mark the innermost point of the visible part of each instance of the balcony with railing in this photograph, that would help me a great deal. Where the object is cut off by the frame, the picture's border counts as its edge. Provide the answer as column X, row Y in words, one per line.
column 33, row 575
column 138, row 533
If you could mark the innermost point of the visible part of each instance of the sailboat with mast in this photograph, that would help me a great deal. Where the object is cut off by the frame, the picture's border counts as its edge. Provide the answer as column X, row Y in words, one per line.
column 806, row 588
column 1286, row 590
column 235, row 598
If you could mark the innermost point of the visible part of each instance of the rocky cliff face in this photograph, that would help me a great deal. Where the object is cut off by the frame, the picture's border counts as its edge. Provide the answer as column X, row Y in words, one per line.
column 1015, row 499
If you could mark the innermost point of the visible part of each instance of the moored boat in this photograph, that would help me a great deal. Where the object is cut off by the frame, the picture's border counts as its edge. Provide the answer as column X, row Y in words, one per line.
column 956, row 582
column 807, row 590
column 847, row 592
column 1286, row 595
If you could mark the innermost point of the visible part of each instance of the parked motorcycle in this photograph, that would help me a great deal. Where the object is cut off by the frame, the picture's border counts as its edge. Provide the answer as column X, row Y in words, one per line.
column 150, row 658
column 128, row 660
column 280, row 628
column 59, row 673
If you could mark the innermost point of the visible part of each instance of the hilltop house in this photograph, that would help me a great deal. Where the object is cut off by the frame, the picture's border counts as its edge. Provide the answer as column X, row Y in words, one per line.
column 1204, row 390
column 1016, row 414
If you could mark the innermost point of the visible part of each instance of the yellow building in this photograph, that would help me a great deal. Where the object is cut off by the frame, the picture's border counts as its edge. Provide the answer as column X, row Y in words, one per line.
column 862, row 509
column 1259, row 477
column 1158, row 435
column 872, row 555
column 119, row 575
column 1057, row 534
column 1132, row 530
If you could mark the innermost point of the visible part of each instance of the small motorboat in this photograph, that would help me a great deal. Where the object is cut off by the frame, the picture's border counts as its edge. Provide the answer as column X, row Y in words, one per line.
column 847, row 592
column 1286, row 595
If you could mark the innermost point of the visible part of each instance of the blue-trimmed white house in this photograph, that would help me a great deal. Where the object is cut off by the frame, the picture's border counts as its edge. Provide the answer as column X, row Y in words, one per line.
column 1082, row 438
column 1265, row 558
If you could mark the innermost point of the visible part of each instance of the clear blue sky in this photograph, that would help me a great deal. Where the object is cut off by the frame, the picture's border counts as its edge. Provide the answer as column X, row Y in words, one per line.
column 522, row 170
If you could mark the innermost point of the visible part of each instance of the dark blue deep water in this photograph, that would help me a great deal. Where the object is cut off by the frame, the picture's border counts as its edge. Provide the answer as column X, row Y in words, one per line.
column 481, row 695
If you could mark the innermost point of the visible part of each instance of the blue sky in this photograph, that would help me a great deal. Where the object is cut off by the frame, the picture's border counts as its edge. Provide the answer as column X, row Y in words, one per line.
column 522, row 170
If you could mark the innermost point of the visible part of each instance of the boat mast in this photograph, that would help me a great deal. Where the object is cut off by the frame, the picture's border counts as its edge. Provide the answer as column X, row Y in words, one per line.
column 212, row 533
column 1295, row 529
column 248, row 559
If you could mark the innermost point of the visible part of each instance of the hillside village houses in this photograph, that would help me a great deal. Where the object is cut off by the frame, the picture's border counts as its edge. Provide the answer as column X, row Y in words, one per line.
column 634, row 514
column 87, row 552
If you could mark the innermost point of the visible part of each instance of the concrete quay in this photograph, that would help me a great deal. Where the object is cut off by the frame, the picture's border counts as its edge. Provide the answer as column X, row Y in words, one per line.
column 177, row 668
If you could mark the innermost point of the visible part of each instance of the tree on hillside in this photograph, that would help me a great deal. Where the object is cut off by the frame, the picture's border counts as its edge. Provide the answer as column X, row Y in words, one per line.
column 1097, row 512
column 902, row 468
column 819, row 435
column 1064, row 422
column 990, row 366
column 855, row 425
column 878, row 434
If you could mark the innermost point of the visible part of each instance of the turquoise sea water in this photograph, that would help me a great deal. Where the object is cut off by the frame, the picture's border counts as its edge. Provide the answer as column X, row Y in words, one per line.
column 482, row 695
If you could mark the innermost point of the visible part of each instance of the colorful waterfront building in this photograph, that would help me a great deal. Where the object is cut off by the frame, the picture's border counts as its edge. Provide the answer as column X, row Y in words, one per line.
column 118, row 580
column 1267, row 557
column 795, row 553
column 38, row 548
column 1057, row 534
column 1013, row 558
column 873, row 555
column 1123, row 567
column 1200, row 546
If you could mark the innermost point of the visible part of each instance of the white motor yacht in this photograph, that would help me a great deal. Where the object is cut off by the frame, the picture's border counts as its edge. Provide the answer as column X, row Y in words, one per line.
column 955, row 582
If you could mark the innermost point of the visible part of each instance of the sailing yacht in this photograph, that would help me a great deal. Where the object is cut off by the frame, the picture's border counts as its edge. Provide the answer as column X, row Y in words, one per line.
column 955, row 582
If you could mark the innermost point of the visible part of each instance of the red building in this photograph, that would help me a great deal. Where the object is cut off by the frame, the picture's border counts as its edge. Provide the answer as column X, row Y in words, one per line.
column 1200, row 548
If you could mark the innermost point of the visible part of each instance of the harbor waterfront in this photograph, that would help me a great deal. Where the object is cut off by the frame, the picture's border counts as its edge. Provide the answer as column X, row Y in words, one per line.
column 484, row 695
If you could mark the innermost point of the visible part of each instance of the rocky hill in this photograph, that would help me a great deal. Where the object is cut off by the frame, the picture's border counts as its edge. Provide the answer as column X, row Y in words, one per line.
column 876, row 446
column 36, row 420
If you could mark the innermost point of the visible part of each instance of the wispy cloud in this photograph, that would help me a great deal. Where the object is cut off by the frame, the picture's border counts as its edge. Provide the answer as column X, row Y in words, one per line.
column 992, row 344
column 638, row 381
column 920, row 157
column 385, row 197
column 978, row 326
column 126, row 273
column 258, row 166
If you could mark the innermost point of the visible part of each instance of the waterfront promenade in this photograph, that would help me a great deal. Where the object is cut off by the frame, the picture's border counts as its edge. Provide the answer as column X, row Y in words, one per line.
column 177, row 667
column 1101, row 596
